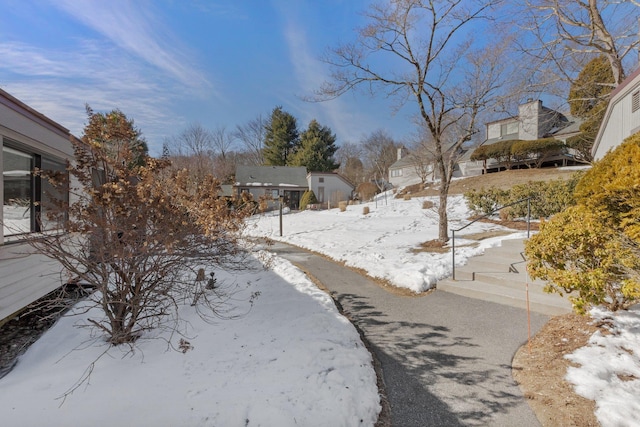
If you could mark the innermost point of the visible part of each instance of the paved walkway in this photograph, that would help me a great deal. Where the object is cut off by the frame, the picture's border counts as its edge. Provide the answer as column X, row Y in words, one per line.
column 446, row 359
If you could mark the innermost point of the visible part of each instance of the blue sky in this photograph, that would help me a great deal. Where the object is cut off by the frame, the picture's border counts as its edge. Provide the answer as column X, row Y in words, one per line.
column 170, row 63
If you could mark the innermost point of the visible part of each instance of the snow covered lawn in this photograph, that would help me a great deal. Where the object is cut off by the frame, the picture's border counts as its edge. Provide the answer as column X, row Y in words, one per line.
column 292, row 360
column 381, row 242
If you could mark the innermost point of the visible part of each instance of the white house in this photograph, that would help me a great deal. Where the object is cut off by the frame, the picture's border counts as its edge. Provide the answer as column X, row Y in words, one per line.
column 534, row 121
column 329, row 187
column 29, row 140
column 622, row 118
column 404, row 171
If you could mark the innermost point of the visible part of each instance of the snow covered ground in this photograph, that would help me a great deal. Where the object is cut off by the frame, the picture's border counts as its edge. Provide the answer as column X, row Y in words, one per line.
column 293, row 359
column 382, row 241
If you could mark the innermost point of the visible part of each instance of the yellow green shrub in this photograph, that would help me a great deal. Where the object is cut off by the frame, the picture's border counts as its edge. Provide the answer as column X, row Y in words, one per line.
column 592, row 250
column 579, row 253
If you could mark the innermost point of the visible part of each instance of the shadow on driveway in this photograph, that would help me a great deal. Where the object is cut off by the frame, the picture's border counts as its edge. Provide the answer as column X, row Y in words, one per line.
column 446, row 359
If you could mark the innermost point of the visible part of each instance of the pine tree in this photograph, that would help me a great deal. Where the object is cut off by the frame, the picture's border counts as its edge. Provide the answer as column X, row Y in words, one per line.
column 281, row 139
column 317, row 147
column 588, row 99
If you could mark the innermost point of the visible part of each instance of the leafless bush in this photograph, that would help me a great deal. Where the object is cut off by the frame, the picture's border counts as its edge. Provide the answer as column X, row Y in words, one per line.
column 138, row 234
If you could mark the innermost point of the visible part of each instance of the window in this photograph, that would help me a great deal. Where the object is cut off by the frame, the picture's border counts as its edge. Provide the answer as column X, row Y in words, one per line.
column 17, row 206
column 320, row 179
column 508, row 128
column 396, row 173
column 635, row 101
column 28, row 202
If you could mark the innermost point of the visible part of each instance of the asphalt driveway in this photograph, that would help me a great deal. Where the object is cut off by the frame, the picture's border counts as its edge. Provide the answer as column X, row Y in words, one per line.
column 446, row 359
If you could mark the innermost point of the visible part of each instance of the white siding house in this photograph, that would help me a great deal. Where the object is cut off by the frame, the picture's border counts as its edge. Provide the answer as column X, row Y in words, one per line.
column 622, row 118
column 29, row 140
column 405, row 170
column 329, row 187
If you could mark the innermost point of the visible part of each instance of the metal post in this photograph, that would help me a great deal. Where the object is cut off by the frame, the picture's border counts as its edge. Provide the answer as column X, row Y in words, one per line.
column 281, row 201
column 528, row 217
column 453, row 254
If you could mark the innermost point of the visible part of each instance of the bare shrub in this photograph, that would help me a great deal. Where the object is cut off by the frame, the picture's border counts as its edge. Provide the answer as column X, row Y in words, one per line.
column 427, row 204
column 343, row 206
column 365, row 210
column 137, row 233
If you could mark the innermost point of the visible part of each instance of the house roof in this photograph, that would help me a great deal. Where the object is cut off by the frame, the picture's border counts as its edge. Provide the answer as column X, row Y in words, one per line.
column 271, row 176
column 226, row 190
column 571, row 126
column 15, row 104
column 406, row 161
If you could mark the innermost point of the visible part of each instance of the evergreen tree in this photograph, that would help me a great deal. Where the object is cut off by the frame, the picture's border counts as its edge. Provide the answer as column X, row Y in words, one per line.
column 588, row 99
column 281, row 138
column 317, row 147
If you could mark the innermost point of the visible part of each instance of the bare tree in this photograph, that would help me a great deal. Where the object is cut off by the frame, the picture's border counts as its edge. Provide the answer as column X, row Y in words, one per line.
column 569, row 33
column 422, row 50
column 224, row 158
column 221, row 141
column 422, row 158
column 380, row 152
column 349, row 155
column 134, row 233
column 251, row 136
column 193, row 150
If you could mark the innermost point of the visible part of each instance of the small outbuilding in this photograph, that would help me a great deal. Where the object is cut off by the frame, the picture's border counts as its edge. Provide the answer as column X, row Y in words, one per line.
column 330, row 187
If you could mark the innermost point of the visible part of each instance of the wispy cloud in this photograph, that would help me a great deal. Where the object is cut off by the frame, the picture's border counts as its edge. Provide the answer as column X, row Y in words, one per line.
column 310, row 72
column 133, row 26
column 59, row 83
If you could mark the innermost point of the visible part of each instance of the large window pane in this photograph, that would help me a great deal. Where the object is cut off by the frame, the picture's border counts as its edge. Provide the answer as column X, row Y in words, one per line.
column 17, row 203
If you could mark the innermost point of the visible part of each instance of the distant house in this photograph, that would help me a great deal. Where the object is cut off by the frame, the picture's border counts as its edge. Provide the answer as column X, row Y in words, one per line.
column 329, row 187
column 534, row 121
column 272, row 182
column 404, row 171
column 622, row 118
column 29, row 140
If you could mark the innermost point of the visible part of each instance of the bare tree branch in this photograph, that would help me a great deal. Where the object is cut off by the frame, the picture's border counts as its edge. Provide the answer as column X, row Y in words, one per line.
column 417, row 49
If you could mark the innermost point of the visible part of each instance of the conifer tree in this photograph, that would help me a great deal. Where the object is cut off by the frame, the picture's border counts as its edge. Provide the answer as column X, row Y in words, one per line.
column 281, row 139
column 588, row 100
column 317, row 148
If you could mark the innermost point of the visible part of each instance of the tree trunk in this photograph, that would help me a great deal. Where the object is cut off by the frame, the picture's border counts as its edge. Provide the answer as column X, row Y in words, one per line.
column 601, row 31
column 443, row 221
